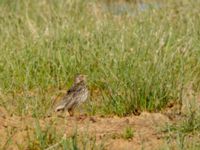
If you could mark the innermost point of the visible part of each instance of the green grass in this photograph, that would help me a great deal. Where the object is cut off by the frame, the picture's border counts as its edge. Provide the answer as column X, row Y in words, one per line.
column 184, row 134
column 128, row 133
column 132, row 62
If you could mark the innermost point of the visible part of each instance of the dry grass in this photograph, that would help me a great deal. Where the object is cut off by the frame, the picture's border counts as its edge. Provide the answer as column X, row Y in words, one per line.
column 138, row 56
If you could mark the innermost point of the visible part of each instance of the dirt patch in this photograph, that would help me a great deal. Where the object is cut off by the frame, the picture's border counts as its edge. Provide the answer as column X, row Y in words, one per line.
column 145, row 128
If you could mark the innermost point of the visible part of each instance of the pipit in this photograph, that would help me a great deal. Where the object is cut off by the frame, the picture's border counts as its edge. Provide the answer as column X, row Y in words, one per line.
column 75, row 96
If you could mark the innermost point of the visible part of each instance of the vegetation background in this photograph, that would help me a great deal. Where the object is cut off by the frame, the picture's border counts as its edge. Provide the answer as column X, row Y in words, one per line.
column 138, row 55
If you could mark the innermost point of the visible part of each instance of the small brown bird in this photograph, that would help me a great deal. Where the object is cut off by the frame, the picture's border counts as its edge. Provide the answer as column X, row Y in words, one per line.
column 76, row 95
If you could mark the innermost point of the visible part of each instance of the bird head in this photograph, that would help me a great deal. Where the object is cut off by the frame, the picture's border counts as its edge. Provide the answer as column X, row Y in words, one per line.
column 80, row 78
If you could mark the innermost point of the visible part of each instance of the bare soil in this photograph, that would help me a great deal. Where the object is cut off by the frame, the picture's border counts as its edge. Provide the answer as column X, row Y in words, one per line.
column 146, row 129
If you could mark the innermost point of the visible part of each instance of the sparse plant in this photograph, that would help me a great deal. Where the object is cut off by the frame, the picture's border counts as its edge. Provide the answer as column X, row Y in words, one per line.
column 187, row 128
column 48, row 139
column 42, row 138
column 128, row 133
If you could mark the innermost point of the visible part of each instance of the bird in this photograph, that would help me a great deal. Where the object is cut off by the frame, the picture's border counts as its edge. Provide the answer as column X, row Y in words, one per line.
column 76, row 95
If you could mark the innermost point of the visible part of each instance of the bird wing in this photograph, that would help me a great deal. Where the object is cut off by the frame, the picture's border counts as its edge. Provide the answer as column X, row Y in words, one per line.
column 67, row 99
column 64, row 102
column 74, row 88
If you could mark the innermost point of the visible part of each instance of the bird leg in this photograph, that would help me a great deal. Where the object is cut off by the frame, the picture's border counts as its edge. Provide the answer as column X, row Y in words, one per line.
column 71, row 112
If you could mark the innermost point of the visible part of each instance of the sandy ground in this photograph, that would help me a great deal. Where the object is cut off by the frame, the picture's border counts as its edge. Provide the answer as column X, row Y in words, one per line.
column 146, row 129
column 16, row 131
